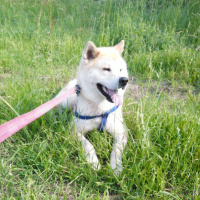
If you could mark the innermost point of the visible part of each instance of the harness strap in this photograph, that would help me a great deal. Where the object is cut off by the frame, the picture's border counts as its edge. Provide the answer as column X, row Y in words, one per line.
column 104, row 117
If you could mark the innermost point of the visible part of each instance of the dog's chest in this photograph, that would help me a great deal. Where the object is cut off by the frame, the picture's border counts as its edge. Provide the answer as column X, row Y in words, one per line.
column 87, row 125
column 107, row 121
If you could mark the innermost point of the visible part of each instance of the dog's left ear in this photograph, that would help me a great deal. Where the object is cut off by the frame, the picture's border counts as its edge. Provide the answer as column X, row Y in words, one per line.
column 120, row 47
column 90, row 51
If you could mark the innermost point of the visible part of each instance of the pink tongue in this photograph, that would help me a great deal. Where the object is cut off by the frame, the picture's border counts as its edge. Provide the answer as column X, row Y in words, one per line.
column 116, row 98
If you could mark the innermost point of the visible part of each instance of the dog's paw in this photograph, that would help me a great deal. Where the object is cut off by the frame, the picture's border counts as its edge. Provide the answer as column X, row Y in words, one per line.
column 117, row 168
column 96, row 167
column 116, row 163
column 94, row 162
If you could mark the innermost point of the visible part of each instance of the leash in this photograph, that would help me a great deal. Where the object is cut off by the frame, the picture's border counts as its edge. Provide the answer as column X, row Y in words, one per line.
column 14, row 125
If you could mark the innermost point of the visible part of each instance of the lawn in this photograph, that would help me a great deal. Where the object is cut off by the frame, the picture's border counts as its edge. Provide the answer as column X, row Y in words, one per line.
column 40, row 48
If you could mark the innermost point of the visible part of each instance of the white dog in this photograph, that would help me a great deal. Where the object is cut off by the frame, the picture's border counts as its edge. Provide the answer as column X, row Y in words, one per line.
column 101, row 80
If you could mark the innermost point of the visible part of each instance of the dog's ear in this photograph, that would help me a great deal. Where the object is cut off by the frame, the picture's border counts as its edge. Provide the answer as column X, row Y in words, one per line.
column 90, row 51
column 120, row 47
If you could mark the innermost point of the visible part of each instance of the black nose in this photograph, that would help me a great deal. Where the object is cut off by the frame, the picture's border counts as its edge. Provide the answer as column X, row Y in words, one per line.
column 123, row 82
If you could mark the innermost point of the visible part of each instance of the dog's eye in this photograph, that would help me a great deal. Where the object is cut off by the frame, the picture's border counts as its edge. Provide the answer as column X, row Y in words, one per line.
column 107, row 69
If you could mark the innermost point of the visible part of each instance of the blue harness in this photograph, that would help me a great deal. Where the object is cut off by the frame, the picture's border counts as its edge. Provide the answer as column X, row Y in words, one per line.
column 103, row 116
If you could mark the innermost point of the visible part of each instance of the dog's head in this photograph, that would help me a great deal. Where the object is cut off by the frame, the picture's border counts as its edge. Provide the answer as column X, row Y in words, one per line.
column 102, row 73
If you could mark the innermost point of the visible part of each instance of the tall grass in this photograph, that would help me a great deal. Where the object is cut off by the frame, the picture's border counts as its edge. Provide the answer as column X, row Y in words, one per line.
column 40, row 47
column 167, row 32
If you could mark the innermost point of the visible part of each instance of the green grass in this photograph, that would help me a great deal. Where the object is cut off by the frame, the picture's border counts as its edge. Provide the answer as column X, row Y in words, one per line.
column 40, row 47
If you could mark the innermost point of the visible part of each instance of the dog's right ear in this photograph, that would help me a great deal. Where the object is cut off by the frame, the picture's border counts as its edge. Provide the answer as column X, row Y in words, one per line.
column 90, row 51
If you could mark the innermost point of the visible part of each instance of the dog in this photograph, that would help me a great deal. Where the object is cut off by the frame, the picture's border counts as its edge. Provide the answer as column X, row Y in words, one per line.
column 101, row 81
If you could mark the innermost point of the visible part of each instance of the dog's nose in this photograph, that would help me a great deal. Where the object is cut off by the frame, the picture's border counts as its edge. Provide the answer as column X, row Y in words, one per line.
column 123, row 82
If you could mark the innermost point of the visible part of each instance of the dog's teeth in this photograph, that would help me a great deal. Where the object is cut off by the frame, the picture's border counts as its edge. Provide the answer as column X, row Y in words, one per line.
column 105, row 89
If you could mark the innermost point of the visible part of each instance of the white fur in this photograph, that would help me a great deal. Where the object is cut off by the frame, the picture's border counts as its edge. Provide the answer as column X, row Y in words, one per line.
column 91, row 102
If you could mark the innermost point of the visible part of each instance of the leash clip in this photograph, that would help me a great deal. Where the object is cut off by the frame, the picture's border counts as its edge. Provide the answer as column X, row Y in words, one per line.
column 78, row 89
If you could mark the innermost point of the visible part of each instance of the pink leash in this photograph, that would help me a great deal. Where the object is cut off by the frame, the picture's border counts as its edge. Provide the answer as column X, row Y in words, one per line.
column 14, row 125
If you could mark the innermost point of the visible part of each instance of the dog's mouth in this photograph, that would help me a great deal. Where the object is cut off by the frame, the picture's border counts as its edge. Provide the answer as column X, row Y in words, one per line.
column 111, row 95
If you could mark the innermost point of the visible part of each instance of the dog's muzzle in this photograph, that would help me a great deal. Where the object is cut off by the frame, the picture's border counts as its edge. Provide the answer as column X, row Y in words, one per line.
column 122, row 82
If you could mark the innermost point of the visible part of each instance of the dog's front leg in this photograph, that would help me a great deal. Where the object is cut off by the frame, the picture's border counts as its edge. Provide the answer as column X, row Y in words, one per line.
column 120, row 141
column 89, row 151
